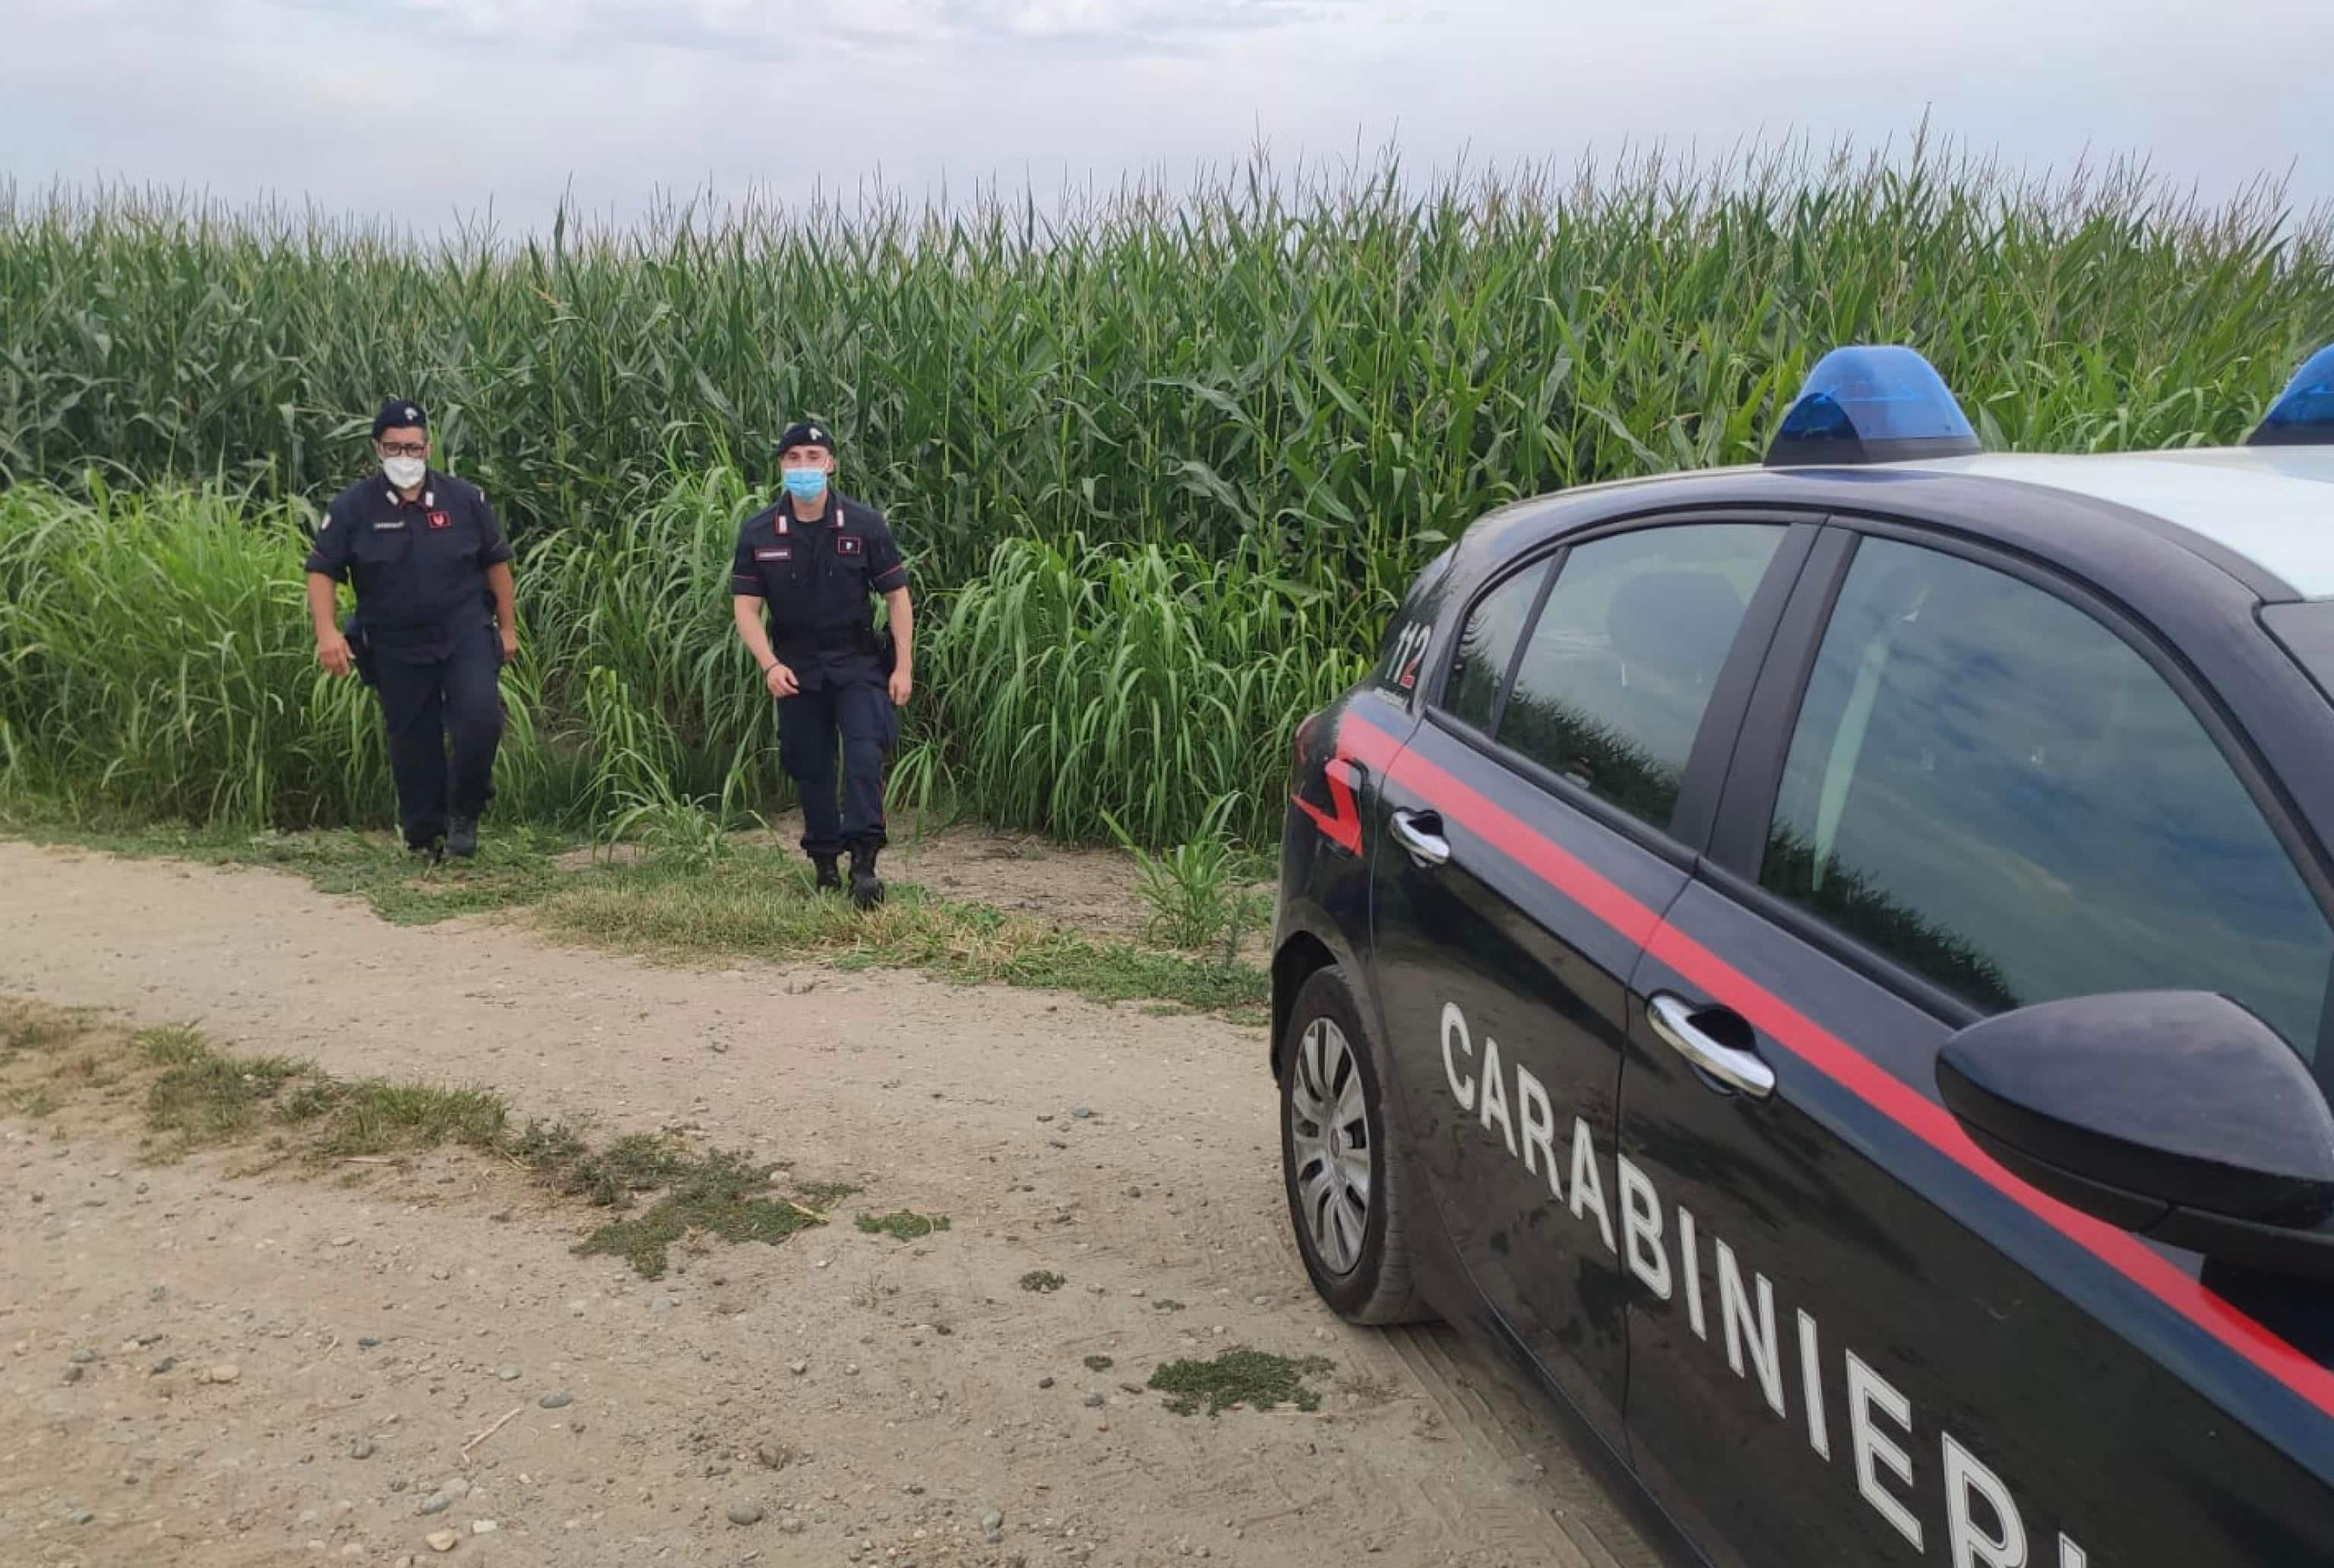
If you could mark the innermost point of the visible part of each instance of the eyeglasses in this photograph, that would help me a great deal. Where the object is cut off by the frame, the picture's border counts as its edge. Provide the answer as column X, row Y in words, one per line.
column 403, row 448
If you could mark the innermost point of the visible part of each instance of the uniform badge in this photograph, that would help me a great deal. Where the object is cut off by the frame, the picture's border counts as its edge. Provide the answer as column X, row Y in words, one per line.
column 848, row 544
column 440, row 520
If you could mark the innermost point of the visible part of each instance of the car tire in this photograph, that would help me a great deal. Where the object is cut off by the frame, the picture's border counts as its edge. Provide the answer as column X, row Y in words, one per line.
column 1333, row 1129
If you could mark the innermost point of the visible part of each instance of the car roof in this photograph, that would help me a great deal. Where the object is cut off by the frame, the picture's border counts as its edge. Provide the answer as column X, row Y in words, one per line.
column 2272, row 506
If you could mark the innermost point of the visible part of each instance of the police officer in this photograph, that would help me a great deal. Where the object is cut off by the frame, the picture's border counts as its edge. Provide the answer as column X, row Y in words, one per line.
column 435, row 623
column 807, row 565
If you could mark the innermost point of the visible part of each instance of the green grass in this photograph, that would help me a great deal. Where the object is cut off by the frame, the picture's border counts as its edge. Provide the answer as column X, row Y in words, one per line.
column 1259, row 1380
column 751, row 905
column 198, row 1097
column 1162, row 463
column 1043, row 1281
column 720, row 1194
column 902, row 1224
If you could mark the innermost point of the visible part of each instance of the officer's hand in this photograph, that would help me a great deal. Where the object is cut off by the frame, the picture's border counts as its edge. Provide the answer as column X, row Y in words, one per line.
column 903, row 685
column 780, row 680
column 332, row 653
column 510, row 644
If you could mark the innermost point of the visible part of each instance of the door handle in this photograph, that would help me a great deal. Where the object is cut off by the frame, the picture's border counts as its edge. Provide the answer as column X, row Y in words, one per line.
column 1420, row 832
column 1742, row 1070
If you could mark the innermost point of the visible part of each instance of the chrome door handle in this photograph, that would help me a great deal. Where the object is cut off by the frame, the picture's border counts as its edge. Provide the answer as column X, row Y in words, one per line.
column 1742, row 1070
column 1427, row 848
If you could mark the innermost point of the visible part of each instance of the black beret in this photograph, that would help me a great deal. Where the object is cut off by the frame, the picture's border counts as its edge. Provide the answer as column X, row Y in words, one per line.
column 396, row 412
column 805, row 433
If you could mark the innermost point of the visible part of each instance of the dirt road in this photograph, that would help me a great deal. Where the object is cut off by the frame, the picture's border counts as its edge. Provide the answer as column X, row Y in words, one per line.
column 859, row 1399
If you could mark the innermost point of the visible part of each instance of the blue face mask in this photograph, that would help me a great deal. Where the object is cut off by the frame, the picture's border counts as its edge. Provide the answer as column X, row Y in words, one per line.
column 807, row 484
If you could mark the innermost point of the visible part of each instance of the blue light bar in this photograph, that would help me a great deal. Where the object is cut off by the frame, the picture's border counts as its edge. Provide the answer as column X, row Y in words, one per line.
column 2303, row 414
column 1872, row 403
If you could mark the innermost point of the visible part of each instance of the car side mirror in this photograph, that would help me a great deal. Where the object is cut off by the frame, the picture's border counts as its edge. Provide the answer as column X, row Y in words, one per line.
column 2177, row 1115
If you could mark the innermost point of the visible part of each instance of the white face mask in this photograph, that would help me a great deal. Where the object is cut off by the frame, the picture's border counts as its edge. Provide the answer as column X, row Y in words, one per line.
column 404, row 473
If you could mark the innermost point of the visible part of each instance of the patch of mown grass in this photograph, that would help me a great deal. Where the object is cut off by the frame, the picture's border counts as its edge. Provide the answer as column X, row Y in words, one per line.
column 902, row 1224
column 1260, row 1380
column 1042, row 1280
column 751, row 905
column 515, row 865
column 722, row 1194
column 636, row 1162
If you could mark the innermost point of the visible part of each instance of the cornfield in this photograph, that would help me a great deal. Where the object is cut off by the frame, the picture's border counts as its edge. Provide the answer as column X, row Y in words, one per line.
column 1162, row 459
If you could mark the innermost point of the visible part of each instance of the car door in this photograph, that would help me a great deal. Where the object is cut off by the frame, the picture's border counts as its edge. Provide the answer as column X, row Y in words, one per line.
column 1562, row 737
column 1963, row 787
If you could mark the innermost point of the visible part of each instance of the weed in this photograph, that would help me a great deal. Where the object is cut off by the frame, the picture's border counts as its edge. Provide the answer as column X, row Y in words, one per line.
column 1166, row 1305
column 722, row 1194
column 1099, row 1363
column 902, row 1224
column 1240, row 1376
column 1042, row 1280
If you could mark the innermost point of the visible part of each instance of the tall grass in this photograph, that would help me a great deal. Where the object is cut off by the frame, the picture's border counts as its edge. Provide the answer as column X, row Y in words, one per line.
column 1162, row 459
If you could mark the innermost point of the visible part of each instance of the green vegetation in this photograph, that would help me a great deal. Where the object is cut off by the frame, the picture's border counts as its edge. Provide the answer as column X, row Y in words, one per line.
column 195, row 1097
column 1259, row 1380
column 1099, row 1363
column 1043, row 1281
column 754, row 903
column 722, row 1195
column 902, row 1224
column 1163, row 460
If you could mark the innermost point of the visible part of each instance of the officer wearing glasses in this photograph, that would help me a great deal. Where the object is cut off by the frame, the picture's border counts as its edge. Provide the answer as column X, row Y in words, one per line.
column 806, row 567
column 435, row 622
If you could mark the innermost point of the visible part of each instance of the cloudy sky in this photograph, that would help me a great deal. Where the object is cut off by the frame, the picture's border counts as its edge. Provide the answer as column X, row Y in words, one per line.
column 422, row 110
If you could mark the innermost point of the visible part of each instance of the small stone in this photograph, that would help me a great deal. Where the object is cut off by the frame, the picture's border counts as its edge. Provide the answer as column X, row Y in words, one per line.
column 850, row 1369
column 82, row 1358
column 992, row 1520
column 436, row 1503
column 344, row 1241
column 1135, row 1192
column 73, row 1374
column 994, row 1537
column 1081, row 1112
column 914, row 1489
column 363, row 1449
column 790, row 1525
column 745, row 1513
column 439, row 1540
column 398, row 1485
column 1094, row 1401
column 225, row 1372
column 1045, row 1382
column 558, row 1400
column 458, row 1486
column 368, row 1344
column 662, row 1304
column 352, row 1551
column 508, row 1374
column 82, row 1517
column 798, row 1368
column 483, row 1526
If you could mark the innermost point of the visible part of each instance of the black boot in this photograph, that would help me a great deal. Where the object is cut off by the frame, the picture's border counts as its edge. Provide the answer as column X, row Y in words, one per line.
column 867, row 889
column 462, row 837
column 829, row 879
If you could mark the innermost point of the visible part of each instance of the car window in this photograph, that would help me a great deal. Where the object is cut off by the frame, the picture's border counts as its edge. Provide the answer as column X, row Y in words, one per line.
column 1487, row 644
column 1995, row 790
column 1622, row 661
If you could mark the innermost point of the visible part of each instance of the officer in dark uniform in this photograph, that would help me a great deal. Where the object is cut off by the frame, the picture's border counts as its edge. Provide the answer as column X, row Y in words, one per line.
column 807, row 565
column 435, row 623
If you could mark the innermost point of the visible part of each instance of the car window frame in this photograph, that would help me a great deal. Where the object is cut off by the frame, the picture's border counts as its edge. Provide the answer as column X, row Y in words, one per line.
column 1707, row 764
column 1754, row 778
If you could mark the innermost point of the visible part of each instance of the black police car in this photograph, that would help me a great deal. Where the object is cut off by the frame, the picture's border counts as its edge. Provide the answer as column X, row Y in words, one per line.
column 1826, row 965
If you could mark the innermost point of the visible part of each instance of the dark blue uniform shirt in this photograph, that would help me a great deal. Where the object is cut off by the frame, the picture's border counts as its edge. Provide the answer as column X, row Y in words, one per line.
column 814, row 579
column 418, row 566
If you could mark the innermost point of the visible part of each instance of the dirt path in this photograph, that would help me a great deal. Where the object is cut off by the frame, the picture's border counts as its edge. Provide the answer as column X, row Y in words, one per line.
column 918, row 1411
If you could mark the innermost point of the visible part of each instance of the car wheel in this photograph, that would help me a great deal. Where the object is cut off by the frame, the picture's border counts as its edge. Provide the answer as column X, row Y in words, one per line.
column 1347, row 1191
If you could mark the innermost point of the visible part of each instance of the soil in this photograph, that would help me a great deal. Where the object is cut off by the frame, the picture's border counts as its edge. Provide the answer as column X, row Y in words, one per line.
column 369, row 1315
